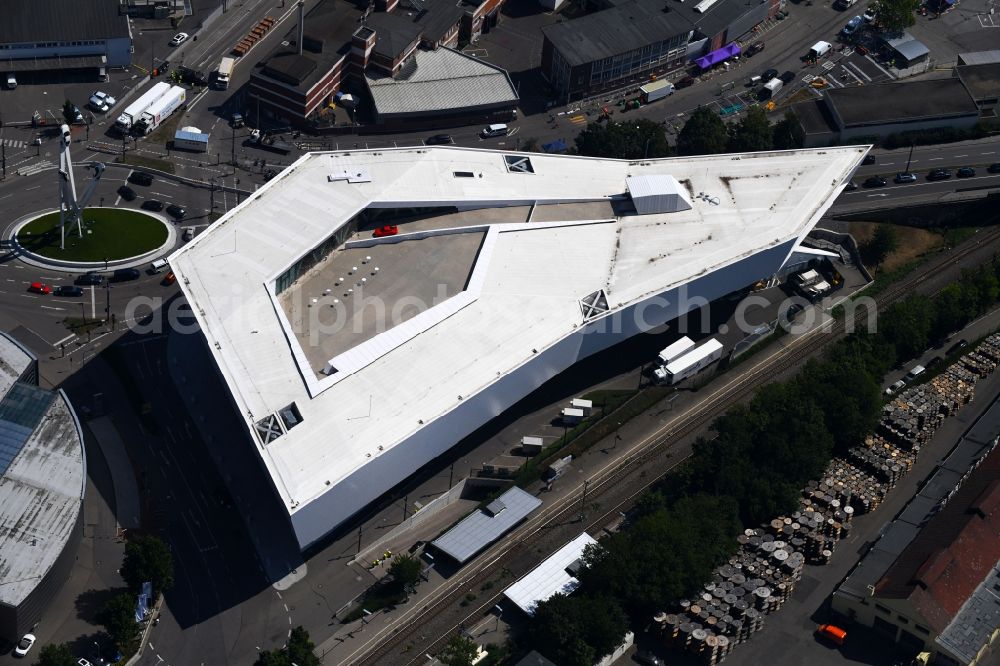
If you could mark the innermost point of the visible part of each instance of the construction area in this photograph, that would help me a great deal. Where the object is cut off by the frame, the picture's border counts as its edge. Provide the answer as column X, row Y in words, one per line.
column 762, row 576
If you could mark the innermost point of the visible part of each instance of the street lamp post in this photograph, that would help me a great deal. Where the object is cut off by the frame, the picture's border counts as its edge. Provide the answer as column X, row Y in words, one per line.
column 98, row 646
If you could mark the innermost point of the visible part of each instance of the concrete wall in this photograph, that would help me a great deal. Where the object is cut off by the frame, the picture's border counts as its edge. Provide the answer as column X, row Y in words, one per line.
column 325, row 513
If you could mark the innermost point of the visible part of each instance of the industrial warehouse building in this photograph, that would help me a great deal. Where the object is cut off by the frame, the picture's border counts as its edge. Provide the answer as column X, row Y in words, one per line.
column 41, row 37
column 43, row 477
column 355, row 358
column 386, row 44
column 931, row 580
column 633, row 40
column 865, row 112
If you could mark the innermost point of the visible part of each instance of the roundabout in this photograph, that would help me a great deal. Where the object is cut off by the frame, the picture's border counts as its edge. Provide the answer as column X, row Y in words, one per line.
column 111, row 237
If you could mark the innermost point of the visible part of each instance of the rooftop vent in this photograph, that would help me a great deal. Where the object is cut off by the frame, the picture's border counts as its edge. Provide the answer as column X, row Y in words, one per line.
column 269, row 429
column 594, row 305
column 464, row 174
column 494, row 508
column 291, row 416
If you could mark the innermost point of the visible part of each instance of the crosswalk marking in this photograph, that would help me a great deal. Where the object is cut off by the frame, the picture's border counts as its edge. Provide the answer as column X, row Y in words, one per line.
column 13, row 143
column 578, row 119
column 37, row 167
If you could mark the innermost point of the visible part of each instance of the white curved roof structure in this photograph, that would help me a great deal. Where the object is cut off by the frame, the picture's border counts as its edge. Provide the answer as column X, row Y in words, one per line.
column 354, row 360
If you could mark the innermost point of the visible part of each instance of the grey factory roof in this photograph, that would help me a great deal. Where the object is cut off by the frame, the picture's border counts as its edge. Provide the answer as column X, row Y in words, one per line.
column 976, row 621
column 907, row 46
column 922, row 508
column 61, row 21
column 440, row 80
column 982, row 81
column 613, row 31
column 900, row 102
column 979, row 57
column 14, row 359
column 393, row 33
column 41, row 496
column 484, row 526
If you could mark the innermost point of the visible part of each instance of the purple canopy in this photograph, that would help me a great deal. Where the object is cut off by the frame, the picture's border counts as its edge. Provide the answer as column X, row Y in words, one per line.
column 717, row 56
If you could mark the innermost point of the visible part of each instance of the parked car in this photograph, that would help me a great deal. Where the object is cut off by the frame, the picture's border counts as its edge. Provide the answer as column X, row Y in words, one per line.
column 905, row 177
column 237, row 120
column 869, row 159
column 83, row 662
column 24, row 645
column 875, row 181
column 387, row 230
column 90, row 279
column 684, row 82
column 852, row 26
column 169, row 279
column 768, row 75
column 175, row 211
column 126, row 193
column 189, row 233
column 961, row 344
column 141, row 178
column 832, row 632
column 939, row 174
column 179, row 39
column 851, row 186
column 125, row 274
column 896, row 387
column 994, row 168
column 439, row 140
column 937, row 360
column 966, row 172
column 102, row 101
column 192, row 76
column 40, row 288
column 753, row 49
column 787, row 77
column 647, row 658
column 68, row 290
column 77, row 115
column 152, row 204
column 870, row 13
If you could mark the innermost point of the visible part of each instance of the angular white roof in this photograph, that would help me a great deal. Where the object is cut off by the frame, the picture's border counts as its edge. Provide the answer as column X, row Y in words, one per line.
column 550, row 577
column 523, row 296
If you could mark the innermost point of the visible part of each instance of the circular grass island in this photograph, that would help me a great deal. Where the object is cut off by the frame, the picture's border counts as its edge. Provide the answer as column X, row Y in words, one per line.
column 109, row 234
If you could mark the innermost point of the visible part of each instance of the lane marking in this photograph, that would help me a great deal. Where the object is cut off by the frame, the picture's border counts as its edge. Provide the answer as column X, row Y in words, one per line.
column 49, row 307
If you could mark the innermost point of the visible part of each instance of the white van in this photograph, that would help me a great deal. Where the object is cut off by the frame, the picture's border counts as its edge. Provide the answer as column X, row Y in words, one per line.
column 820, row 49
column 494, row 130
column 11, row 81
column 158, row 266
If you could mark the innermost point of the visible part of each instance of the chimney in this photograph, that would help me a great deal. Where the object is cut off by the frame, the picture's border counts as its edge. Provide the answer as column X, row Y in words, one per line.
column 302, row 20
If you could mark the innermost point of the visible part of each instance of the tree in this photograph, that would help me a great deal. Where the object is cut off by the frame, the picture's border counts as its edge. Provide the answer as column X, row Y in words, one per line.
column 298, row 651
column 788, row 133
column 631, row 140
column 460, row 651
column 118, row 618
column 895, row 15
column 56, row 654
column 752, row 133
column 882, row 243
column 69, row 112
column 704, row 133
column 907, row 325
column 300, row 648
column 577, row 630
column 405, row 571
column 148, row 559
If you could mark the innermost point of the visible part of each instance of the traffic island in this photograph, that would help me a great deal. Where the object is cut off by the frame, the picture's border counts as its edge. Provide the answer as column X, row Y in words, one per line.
column 111, row 238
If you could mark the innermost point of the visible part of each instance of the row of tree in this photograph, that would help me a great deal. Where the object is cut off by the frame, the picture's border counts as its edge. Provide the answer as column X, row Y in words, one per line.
column 704, row 133
column 752, row 469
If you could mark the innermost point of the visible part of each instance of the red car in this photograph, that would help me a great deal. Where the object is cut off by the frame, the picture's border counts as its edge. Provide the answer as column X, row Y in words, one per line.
column 40, row 288
column 169, row 279
column 387, row 230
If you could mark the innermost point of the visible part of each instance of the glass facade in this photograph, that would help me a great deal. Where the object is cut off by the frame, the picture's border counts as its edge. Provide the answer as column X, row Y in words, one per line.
column 637, row 60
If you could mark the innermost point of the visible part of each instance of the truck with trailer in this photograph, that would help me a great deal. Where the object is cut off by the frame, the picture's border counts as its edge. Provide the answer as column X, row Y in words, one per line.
column 130, row 116
column 224, row 73
column 161, row 109
column 656, row 90
column 674, row 350
column 264, row 141
column 692, row 362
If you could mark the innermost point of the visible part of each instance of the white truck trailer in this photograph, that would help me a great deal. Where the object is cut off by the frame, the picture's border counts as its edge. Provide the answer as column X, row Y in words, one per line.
column 693, row 362
column 162, row 108
column 130, row 116
column 225, row 72
column 675, row 349
column 656, row 90
column 771, row 88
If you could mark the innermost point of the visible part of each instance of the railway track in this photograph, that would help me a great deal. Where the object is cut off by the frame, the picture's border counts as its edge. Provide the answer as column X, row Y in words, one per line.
column 616, row 486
